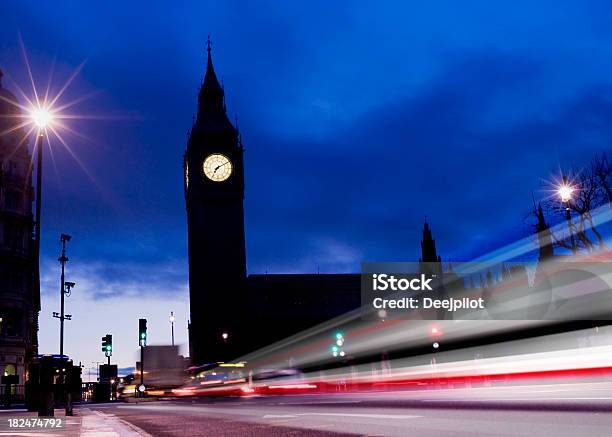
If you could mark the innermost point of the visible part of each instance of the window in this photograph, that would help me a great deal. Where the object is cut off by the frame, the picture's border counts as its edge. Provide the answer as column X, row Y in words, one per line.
column 11, row 322
column 13, row 236
column 9, row 370
column 12, row 200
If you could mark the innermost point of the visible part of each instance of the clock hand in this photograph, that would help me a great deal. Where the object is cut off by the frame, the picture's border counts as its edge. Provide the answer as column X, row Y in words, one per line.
column 219, row 166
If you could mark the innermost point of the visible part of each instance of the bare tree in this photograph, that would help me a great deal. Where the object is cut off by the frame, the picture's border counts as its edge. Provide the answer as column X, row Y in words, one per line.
column 602, row 171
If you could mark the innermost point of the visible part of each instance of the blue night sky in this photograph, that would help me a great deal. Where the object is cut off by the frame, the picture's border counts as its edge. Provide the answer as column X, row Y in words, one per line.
column 358, row 120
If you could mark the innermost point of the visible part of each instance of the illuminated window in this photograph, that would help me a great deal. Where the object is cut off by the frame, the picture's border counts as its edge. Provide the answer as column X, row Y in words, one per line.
column 9, row 370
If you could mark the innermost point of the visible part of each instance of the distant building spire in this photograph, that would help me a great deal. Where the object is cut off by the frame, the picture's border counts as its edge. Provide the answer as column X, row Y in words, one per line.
column 544, row 236
column 428, row 246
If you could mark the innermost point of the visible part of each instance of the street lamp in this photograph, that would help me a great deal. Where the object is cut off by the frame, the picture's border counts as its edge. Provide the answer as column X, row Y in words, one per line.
column 565, row 190
column 172, row 319
column 42, row 118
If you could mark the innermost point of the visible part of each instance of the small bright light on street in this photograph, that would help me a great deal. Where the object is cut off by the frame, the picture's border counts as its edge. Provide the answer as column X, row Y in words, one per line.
column 565, row 192
column 41, row 117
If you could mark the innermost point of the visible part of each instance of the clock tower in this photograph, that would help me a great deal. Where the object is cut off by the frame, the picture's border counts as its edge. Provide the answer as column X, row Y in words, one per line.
column 214, row 195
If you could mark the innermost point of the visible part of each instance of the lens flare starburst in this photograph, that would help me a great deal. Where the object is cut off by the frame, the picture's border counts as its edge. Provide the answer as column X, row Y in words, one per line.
column 43, row 112
column 41, row 117
column 563, row 187
column 565, row 192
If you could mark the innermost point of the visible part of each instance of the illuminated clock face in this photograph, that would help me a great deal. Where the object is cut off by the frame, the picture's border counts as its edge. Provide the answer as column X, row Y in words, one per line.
column 217, row 167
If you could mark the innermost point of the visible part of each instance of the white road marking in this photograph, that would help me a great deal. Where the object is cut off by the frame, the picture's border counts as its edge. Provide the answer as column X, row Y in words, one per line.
column 516, row 399
column 319, row 403
column 362, row 415
column 279, row 416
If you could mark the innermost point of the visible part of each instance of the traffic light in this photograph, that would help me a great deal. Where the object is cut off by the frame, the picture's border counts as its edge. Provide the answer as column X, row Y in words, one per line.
column 107, row 345
column 142, row 332
column 339, row 338
column 436, row 334
column 336, row 349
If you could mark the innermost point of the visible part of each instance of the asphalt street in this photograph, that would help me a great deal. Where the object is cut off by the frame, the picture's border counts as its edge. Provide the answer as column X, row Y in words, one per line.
column 529, row 410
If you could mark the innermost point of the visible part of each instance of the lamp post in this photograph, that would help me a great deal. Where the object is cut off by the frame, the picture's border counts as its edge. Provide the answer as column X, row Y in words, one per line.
column 41, row 117
column 172, row 319
column 565, row 192
column 65, row 288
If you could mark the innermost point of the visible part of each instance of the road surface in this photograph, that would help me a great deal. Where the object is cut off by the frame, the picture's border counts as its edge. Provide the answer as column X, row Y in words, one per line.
column 532, row 410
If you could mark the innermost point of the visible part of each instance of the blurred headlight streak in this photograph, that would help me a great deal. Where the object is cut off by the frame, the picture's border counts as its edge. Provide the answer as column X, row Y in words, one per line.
column 542, row 329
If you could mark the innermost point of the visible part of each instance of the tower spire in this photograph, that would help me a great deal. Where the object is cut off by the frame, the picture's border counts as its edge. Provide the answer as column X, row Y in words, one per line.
column 211, row 98
column 428, row 245
column 209, row 65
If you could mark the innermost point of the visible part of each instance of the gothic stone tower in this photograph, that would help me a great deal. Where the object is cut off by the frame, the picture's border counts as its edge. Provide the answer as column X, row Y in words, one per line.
column 214, row 195
column 19, row 293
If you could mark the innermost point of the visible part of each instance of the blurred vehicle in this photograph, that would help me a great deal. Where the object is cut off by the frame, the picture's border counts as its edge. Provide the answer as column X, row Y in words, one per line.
column 126, row 387
column 216, row 379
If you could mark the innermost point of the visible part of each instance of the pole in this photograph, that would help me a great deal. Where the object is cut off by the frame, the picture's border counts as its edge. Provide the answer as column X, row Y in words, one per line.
column 39, row 146
column 62, row 260
column 173, row 333
column 141, row 369
column 568, row 217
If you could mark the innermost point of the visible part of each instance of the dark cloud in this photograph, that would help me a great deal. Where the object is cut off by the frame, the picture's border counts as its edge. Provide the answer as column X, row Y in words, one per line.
column 370, row 185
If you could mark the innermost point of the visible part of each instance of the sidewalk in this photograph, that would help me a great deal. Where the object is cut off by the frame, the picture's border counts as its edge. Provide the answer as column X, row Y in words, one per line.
column 85, row 422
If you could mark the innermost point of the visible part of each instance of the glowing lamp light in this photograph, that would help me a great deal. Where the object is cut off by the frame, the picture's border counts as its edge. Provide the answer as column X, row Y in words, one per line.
column 41, row 117
column 436, row 345
column 224, row 336
column 565, row 192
